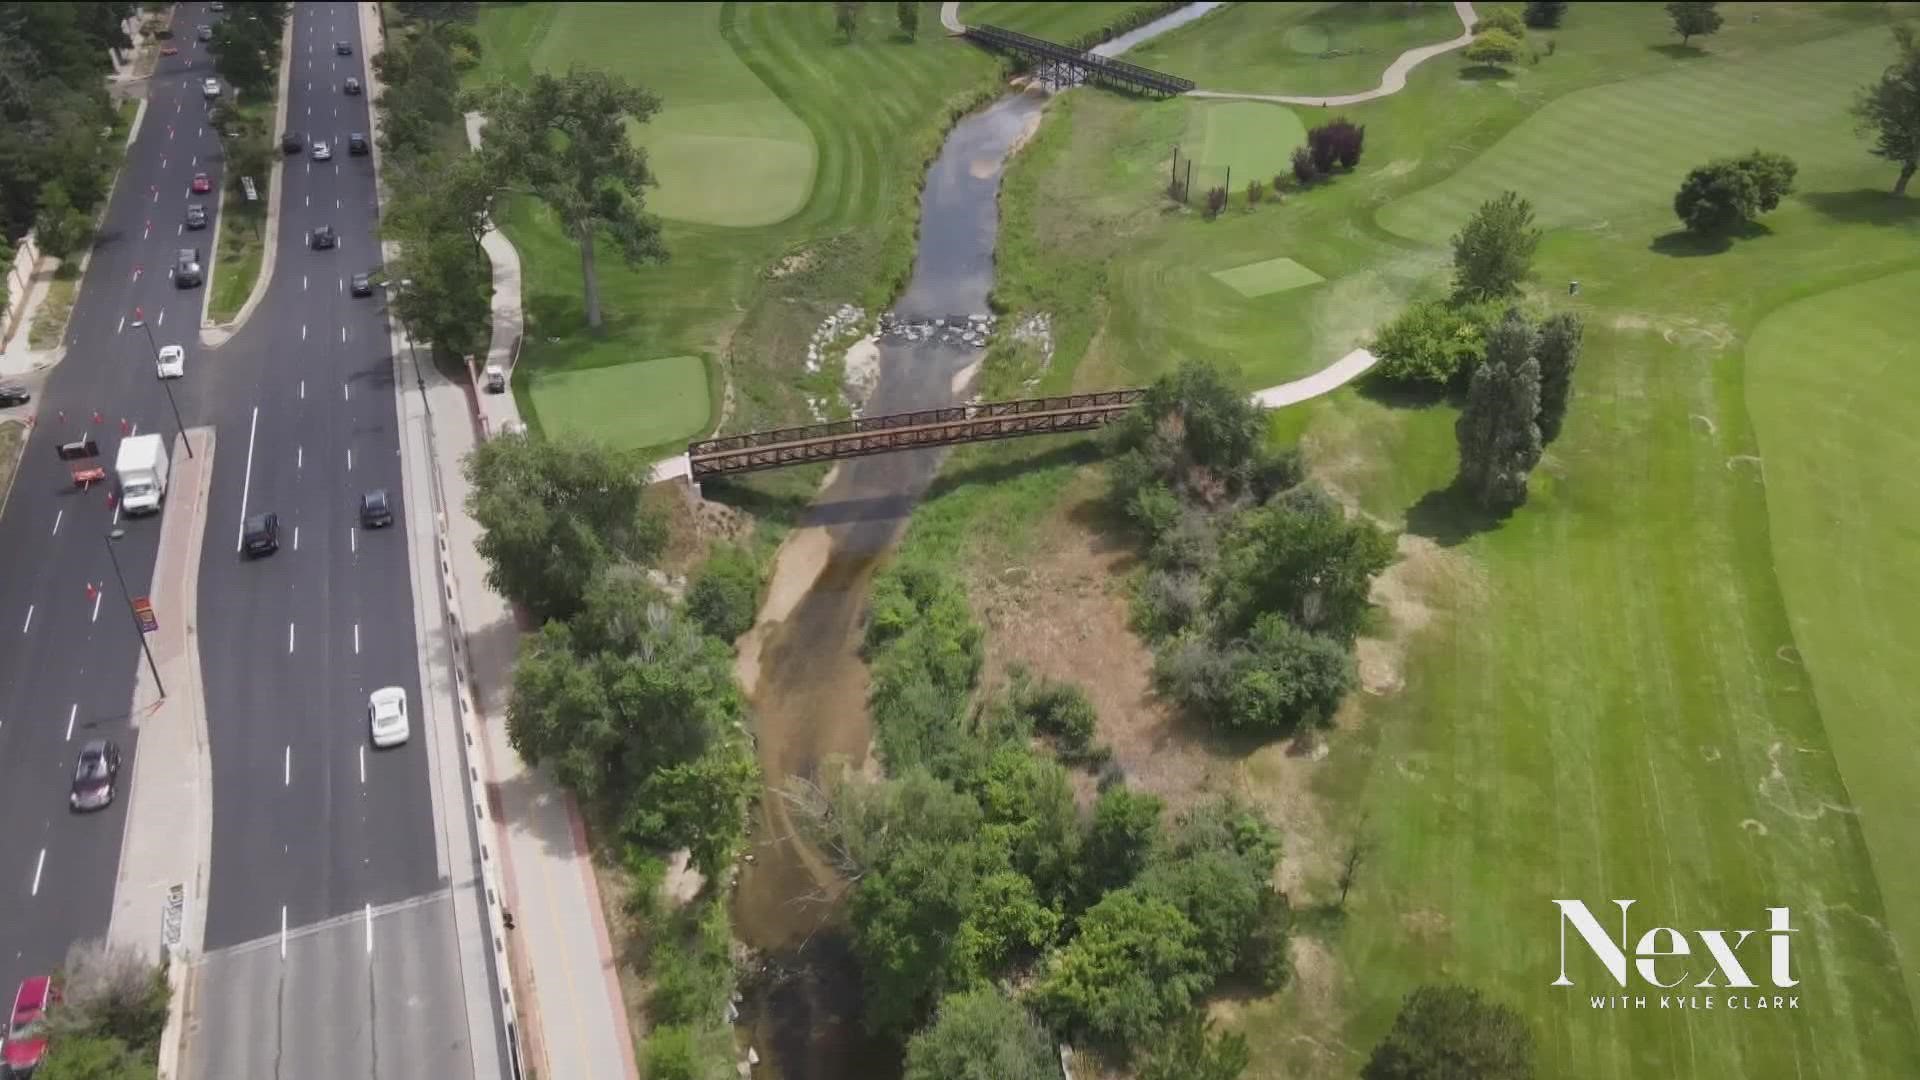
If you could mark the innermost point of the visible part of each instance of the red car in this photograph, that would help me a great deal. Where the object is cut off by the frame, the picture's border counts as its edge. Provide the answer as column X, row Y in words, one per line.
column 168, row 50
column 201, row 183
column 27, row 1033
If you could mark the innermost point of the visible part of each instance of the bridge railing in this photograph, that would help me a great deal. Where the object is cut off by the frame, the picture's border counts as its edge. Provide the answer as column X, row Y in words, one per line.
column 1096, row 66
column 892, row 421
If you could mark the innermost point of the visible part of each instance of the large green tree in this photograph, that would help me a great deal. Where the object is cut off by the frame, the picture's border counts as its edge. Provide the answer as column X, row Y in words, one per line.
column 1889, row 110
column 566, row 139
column 1451, row 1032
column 1192, row 1050
column 1498, row 431
column 981, row 1035
column 1302, row 558
column 1693, row 19
column 1493, row 252
column 1558, row 350
column 1730, row 192
column 54, row 113
column 1133, row 967
column 555, row 514
column 1120, row 839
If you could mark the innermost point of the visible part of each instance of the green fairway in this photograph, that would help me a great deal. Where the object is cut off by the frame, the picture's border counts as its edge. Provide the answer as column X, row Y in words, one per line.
column 1832, row 386
column 1270, row 276
column 1594, row 157
column 1298, row 49
column 725, row 149
column 1242, row 140
column 639, row 404
column 1053, row 21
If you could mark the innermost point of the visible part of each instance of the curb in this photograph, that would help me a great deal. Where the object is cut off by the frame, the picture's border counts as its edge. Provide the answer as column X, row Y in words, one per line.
column 270, row 232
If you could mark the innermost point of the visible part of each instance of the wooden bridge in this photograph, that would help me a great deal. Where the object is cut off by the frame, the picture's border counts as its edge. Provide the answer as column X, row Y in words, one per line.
column 983, row 422
column 1060, row 65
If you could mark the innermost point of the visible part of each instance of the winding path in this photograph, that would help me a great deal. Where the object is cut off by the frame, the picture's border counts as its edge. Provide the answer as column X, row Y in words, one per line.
column 1392, row 82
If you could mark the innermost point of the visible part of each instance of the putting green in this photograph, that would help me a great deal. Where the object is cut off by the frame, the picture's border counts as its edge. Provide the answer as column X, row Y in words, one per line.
column 1831, row 382
column 725, row 150
column 1263, row 278
column 644, row 403
column 1244, row 140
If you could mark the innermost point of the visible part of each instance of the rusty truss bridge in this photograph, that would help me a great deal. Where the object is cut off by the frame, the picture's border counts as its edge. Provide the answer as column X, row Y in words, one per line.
column 1061, row 66
column 983, row 422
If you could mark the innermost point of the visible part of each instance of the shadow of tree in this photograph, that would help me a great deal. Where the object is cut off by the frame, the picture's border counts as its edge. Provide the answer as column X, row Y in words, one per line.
column 1395, row 394
column 1871, row 206
column 1073, row 450
column 1686, row 244
column 1448, row 517
column 1483, row 72
column 1676, row 51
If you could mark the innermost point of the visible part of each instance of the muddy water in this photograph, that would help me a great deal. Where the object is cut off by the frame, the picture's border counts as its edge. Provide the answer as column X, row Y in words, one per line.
column 801, row 664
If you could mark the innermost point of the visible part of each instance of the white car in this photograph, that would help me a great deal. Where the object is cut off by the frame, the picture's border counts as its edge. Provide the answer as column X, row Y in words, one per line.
column 322, row 152
column 211, row 88
column 172, row 363
column 387, row 716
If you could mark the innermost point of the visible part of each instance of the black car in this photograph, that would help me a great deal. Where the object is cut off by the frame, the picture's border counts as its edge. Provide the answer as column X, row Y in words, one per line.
column 323, row 238
column 351, row 86
column 260, row 535
column 14, row 394
column 187, row 271
column 94, row 775
column 356, row 144
column 375, row 510
column 344, row 48
column 292, row 142
column 361, row 285
column 196, row 216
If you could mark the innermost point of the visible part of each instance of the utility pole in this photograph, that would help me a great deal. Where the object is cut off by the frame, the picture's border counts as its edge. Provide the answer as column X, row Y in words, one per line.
column 138, row 630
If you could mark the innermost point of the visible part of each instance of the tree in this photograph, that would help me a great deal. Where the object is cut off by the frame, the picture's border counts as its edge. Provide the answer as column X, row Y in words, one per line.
column 1889, row 110
column 725, row 594
column 555, row 514
column 449, row 292
column 1433, row 342
column 1216, row 201
column 846, row 17
column 1558, row 351
column 1544, row 14
column 1451, row 1032
column 567, row 139
column 1497, row 431
column 1694, row 19
column 1302, row 559
column 1493, row 252
column 86, row 1056
column 1772, row 177
column 908, row 12
column 981, row 1035
column 62, row 230
column 1120, row 840
column 1195, row 432
column 1493, row 48
column 1133, row 967
column 1502, row 19
column 1724, row 194
column 1285, row 678
column 1192, row 1051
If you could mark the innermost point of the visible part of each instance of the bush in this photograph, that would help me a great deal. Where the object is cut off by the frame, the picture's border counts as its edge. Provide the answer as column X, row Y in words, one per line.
column 1504, row 19
column 1216, row 201
column 1285, row 678
column 1057, row 709
column 1435, row 342
column 692, row 965
column 1304, row 169
column 1545, row 15
column 1254, row 191
column 1338, row 142
column 1493, row 48
column 1729, row 192
column 725, row 594
column 1168, row 602
column 1194, row 673
column 1450, row 1031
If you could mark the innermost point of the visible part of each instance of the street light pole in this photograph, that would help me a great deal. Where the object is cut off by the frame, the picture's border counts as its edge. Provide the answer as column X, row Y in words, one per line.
column 138, row 630
column 178, row 424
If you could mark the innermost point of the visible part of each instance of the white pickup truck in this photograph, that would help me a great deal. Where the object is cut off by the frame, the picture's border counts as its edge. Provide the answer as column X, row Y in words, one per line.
column 142, row 468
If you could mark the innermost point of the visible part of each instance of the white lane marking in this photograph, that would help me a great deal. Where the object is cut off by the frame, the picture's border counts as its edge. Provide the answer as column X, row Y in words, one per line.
column 29, row 623
column 122, row 326
column 349, row 459
column 303, row 331
column 336, row 204
column 162, row 319
column 303, row 283
column 363, row 763
column 73, row 712
column 296, row 544
column 239, row 535
column 37, row 867
column 356, row 639
column 343, row 284
column 56, row 521
column 343, row 335
column 308, row 198
column 369, row 929
column 289, row 636
column 156, row 195
column 286, row 767
column 344, row 387
column 202, row 131
column 179, row 230
column 147, row 232
column 353, row 544
column 116, row 513
column 283, row 931
column 96, row 605
column 195, row 161
column 299, row 457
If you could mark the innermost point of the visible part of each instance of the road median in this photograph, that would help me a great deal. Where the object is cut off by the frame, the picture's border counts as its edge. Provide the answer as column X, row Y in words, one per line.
column 244, row 231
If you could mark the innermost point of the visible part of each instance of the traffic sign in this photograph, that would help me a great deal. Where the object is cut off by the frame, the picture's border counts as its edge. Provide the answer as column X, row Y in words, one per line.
column 143, row 611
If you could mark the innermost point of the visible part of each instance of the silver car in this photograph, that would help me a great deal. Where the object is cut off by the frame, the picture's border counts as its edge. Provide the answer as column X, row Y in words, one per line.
column 322, row 152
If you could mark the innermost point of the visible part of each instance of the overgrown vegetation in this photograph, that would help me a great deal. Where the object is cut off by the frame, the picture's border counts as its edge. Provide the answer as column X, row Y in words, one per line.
column 112, row 1013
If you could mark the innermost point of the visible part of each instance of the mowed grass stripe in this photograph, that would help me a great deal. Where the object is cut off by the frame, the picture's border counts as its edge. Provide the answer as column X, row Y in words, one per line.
column 1831, row 387
column 1643, row 135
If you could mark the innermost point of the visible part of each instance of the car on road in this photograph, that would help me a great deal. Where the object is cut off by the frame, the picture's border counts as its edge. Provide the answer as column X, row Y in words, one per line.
column 27, row 1033
column 375, row 510
column 322, row 152
column 357, row 144
column 13, row 393
column 202, row 183
column 206, row 33
column 350, row 87
column 496, row 379
column 169, row 50
column 322, row 238
column 292, row 142
column 196, row 215
column 361, row 285
column 94, row 775
column 260, row 535
column 172, row 362
column 210, row 87
column 387, row 716
column 216, row 6
column 187, row 271
column 343, row 48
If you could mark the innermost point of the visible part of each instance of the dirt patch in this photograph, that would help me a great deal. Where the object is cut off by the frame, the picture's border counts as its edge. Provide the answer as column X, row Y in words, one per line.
column 860, row 372
column 682, row 882
column 694, row 525
column 1427, row 925
column 1677, row 329
column 1406, row 593
column 795, row 263
column 795, row 568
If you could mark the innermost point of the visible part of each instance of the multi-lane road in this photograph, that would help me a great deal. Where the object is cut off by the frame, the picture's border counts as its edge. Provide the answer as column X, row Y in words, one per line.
column 316, row 835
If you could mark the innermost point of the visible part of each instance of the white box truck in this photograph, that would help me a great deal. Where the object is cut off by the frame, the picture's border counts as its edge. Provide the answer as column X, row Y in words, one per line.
column 142, row 468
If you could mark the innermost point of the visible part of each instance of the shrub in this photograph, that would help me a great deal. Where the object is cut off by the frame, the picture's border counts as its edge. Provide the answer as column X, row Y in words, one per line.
column 1493, row 48
column 725, row 594
column 1194, row 673
column 1304, row 169
column 1169, row 602
column 1254, row 191
column 1285, row 678
column 1338, row 142
column 1545, row 15
column 1058, row 709
column 1433, row 342
column 1216, row 201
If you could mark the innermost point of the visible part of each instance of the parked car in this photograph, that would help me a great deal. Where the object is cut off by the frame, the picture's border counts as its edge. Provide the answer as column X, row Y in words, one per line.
column 187, row 271
column 94, row 775
column 14, row 394
column 26, row 1044
column 260, row 535
column 172, row 362
column 387, row 716
column 357, row 144
column 322, row 152
column 351, row 86
column 496, row 379
column 292, row 142
column 323, row 238
column 361, row 285
column 210, row 87
column 343, row 48
column 196, row 216
column 202, row 183
column 375, row 510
